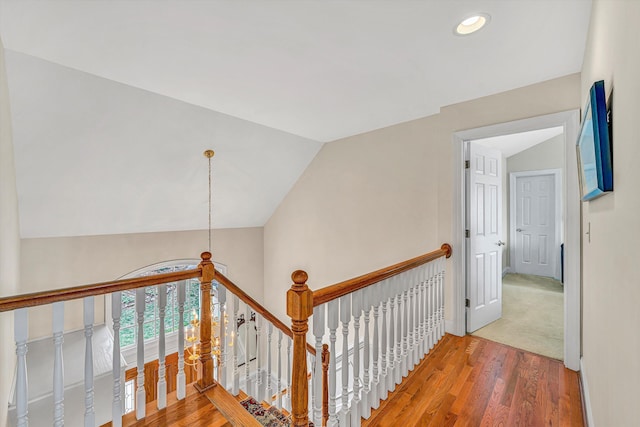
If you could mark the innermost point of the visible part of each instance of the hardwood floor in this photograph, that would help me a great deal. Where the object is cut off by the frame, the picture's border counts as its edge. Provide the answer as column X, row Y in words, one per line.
column 194, row 411
column 470, row 381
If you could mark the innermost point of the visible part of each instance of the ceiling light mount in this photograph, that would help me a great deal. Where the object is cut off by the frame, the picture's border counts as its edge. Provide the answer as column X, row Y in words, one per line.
column 471, row 23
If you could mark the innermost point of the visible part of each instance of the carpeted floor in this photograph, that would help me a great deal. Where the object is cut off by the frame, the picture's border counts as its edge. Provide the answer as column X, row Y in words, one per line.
column 532, row 316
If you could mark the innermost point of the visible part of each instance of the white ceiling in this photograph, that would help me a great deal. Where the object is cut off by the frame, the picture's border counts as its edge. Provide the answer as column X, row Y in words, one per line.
column 100, row 86
column 518, row 142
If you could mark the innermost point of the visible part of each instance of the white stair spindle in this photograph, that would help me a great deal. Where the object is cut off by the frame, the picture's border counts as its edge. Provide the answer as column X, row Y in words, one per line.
column 421, row 315
column 21, row 333
column 356, row 307
column 365, row 403
column 332, row 323
column 269, row 389
column 405, row 330
column 345, row 318
column 116, row 313
column 181, row 379
column 140, row 393
column 247, row 348
column 441, row 262
column 413, row 319
column 89, row 410
column 375, row 381
column 58, row 370
column 398, row 343
column 222, row 336
column 279, row 392
column 259, row 382
column 387, row 341
column 432, row 296
column 318, row 332
column 162, row 370
column 235, row 390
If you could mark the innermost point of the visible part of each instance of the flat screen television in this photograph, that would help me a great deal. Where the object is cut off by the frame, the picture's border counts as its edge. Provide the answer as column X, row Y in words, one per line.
column 595, row 159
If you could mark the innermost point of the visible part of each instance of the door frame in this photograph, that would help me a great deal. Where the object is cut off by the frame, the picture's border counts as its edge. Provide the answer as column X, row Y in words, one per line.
column 557, row 179
column 570, row 120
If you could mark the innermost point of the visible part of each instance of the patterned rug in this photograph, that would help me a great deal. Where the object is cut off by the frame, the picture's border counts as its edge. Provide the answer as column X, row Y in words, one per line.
column 267, row 417
column 270, row 417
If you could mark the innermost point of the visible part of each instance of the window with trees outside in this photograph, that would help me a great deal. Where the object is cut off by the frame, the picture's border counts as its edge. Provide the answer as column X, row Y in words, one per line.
column 151, row 325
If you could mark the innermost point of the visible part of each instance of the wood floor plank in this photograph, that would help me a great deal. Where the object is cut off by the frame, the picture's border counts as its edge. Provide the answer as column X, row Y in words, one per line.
column 470, row 381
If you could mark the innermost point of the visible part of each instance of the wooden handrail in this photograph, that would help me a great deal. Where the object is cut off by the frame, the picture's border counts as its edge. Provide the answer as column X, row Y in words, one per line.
column 257, row 307
column 65, row 294
column 329, row 293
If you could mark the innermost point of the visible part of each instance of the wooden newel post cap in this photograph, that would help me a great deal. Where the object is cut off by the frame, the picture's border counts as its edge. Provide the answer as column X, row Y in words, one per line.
column 299, row 297
column 206, row 256
column 299, row 277
column 208, row 270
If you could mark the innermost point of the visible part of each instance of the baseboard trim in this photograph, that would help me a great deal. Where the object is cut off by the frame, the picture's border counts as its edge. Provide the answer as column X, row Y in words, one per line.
column 586, row 401
column 505, row 271
column 449, row 327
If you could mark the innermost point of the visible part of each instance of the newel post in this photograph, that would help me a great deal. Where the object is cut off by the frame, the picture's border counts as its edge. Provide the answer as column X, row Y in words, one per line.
column 299, row 308
column 206, row 361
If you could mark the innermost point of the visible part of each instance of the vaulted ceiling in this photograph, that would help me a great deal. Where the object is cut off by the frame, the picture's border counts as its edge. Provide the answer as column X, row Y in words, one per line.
column 113, row 102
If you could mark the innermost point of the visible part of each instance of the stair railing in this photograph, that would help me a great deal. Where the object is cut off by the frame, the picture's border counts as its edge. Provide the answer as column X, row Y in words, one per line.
column 20, row 304
column 407, row 302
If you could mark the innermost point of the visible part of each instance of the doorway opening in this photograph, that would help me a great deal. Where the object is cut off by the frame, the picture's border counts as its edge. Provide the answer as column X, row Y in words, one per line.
column 559, row 263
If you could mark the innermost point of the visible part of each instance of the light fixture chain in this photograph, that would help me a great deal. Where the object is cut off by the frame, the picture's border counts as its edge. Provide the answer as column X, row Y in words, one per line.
column 209, row 204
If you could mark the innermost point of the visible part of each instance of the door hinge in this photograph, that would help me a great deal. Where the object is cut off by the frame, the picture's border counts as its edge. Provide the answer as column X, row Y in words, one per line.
column 467, row 303
column 466, row 233
column 466, row 164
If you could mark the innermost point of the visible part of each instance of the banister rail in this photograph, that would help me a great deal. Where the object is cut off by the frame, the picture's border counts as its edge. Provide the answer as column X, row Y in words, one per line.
column 324, row 295
column 259, row 308
column 66, row 294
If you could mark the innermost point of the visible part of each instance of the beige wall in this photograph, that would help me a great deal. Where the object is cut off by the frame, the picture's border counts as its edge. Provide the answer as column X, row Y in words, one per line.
column 546, row 155
column 9, row 240
column 69, row 261
column 611, row 290
column 381, row 197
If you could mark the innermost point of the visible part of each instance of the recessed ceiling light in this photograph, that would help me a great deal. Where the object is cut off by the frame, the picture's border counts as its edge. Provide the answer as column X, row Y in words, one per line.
column 472, row 24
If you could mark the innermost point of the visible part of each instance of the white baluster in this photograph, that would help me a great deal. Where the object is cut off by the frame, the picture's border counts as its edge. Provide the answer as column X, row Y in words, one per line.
column 375, row 394
column 356, row 306
column 279, row 392
column 332, row 323
column 441, row 262
column 259, row 382
column 345, row 317
column 247, row 348
column 116, row 313
column 140, row 394
column 181, row 379
column 222, row 336
column 58, row 370
column 21, row 333
column 388, row 342
column 365, row 405
column 162, row 371
column 405, row 329
column 318, row 332
column 89, row 410
column 236, row 340
column 430, row 306
column 383, row 391
column 269, row 389
column 412, row 319
column 398, row 333
column 421, row 312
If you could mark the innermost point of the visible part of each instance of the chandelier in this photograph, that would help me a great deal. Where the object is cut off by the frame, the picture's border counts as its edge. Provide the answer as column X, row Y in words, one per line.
column 192, row 331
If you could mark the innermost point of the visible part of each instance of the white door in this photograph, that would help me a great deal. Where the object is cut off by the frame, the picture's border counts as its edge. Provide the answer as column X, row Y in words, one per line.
column 484, row 248
column 535, row 222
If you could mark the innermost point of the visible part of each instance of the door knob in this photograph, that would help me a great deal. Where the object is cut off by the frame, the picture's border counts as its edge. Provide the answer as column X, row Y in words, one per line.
column 519, row 230
column 500, row 243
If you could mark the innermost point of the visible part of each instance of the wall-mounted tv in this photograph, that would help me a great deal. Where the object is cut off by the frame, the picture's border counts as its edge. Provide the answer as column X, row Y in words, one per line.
column 595, row 159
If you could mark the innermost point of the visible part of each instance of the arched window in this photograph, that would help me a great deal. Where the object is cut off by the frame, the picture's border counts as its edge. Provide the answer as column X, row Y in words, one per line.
column 151, row 326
